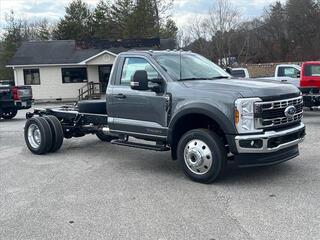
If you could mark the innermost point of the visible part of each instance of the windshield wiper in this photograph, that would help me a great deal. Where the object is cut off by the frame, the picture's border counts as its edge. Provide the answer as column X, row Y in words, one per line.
column 203, row 78
column 190, row 79
column 219, row 77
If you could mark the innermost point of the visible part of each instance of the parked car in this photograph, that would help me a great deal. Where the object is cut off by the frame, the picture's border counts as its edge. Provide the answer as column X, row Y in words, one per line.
column 181, row 102
column 239, row 72
column 14, row 98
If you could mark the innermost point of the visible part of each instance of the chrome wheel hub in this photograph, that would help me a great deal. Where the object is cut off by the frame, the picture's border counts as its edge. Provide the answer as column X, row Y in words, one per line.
column 34, row 136
column 198, row 157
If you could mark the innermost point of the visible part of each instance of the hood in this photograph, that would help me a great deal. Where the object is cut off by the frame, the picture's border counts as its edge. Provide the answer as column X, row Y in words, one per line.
column 262, row 88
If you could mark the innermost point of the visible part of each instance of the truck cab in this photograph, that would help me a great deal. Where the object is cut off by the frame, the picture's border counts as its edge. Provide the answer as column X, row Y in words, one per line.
column 239, row 73
column 310, row 83
column 289, row 73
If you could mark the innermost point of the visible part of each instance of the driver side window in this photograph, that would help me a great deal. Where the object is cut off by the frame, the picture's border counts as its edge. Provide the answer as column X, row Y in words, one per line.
column 288, row 72
column 133, row 64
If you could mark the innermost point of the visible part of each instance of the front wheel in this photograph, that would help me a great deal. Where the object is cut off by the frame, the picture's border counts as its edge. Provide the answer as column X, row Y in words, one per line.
column 202, row 155
column 9, row 114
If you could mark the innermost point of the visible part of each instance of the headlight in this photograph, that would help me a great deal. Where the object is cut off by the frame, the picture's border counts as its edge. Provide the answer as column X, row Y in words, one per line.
column 244, row 115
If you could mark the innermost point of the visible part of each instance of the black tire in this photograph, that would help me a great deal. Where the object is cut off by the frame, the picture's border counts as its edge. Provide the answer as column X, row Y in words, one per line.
column 9, row 113
column 57, row 133
column 45, row 143
column 212, row 165
column 104, row 137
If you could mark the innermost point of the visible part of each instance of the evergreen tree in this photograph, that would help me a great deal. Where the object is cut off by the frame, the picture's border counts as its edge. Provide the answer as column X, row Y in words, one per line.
column 122, row 18
column 146, row 20
column 76, row 22
column 169, row 30
column 13, row 37
column 101, row 23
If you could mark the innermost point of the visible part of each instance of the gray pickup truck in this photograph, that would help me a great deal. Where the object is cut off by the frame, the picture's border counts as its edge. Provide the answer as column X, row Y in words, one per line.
column 183, row 103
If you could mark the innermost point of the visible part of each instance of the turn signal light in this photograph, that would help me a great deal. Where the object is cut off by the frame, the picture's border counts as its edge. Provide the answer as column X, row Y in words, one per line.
column 236, row 116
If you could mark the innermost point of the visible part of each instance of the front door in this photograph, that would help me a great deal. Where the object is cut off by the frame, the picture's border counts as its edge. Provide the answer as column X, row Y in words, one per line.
column 104, row 75
column 143, row 113
column 289, row 74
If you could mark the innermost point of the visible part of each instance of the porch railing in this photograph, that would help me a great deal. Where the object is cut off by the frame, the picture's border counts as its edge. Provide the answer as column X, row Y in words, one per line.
column 90, row 90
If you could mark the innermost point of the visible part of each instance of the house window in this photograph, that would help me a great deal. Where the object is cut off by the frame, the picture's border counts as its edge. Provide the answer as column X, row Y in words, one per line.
column 74, row 75
column 31, row 76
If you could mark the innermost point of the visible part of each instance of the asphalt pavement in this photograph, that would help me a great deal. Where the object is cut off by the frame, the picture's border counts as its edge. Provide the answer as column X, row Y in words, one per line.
column 95, row 190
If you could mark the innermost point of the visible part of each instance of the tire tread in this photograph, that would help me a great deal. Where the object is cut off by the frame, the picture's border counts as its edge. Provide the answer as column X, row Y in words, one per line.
column 220, row 150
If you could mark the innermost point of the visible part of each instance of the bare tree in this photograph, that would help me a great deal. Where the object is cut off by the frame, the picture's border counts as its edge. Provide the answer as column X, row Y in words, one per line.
column 196, row 36
column 223, row 20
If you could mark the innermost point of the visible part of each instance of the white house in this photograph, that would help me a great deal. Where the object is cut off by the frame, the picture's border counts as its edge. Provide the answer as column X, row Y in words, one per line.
column 57, row 69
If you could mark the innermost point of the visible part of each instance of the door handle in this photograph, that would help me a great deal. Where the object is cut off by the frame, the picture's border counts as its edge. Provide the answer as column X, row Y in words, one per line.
column 121, row 96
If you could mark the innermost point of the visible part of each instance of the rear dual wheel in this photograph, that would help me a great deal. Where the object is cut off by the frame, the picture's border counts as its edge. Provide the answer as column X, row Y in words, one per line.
column 43, row 134
column 57, row 133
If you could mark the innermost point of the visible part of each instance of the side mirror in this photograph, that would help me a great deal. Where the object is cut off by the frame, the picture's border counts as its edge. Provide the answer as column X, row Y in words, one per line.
column 139, row 81
column 298, row 74
column 229, row 70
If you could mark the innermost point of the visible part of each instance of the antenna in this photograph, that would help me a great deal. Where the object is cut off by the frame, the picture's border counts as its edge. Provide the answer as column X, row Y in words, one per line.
column 180, row 54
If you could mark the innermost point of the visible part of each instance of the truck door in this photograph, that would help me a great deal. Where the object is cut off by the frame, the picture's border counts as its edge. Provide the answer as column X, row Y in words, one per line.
column 142, row 113
column 311, row 75
column 289, row 74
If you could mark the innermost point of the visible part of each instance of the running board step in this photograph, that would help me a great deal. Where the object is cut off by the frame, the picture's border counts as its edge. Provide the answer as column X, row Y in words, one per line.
column 160, row 148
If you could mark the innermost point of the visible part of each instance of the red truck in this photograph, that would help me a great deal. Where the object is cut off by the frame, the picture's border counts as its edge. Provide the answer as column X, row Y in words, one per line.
column 310, row 83
column 305, row 77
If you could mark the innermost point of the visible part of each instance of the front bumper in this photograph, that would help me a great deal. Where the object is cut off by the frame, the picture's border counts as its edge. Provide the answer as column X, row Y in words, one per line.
column 270, row 141
column 246, row 160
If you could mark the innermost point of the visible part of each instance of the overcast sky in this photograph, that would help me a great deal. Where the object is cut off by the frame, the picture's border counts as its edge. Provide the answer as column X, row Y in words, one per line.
column 181, row 12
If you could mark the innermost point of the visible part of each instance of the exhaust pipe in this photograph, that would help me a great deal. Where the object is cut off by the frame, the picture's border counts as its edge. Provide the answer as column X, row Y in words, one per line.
column 106, row 131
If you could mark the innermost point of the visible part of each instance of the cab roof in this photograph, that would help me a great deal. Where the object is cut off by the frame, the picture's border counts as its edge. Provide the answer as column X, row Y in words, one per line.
column 156, row 52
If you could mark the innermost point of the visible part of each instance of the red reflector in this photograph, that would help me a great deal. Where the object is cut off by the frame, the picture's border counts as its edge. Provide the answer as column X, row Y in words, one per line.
column 15, row 93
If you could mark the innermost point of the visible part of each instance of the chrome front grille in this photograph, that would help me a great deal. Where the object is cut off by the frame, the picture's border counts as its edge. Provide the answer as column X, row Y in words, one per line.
column 272, row 114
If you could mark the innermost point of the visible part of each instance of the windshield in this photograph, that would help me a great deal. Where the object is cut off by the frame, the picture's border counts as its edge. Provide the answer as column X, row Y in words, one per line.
column 312, row 70
column 238, row 73
column 193, row 67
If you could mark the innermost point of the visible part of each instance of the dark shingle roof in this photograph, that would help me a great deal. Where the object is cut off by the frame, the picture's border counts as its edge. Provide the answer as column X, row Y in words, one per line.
column 51, row 52
column 67, row 52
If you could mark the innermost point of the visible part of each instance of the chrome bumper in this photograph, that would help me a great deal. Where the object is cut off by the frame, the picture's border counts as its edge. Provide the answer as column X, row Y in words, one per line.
column 266, row 137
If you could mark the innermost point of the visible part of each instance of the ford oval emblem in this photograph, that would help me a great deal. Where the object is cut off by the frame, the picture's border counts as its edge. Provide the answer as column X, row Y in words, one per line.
column 290, row 111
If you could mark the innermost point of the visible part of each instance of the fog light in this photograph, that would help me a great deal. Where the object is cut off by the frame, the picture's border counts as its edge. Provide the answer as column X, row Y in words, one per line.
column 257, row 143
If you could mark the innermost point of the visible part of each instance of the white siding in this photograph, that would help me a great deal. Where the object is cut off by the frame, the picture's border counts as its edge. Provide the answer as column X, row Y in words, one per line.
column 93, row 73
column 51, row 86
column 104, row 59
